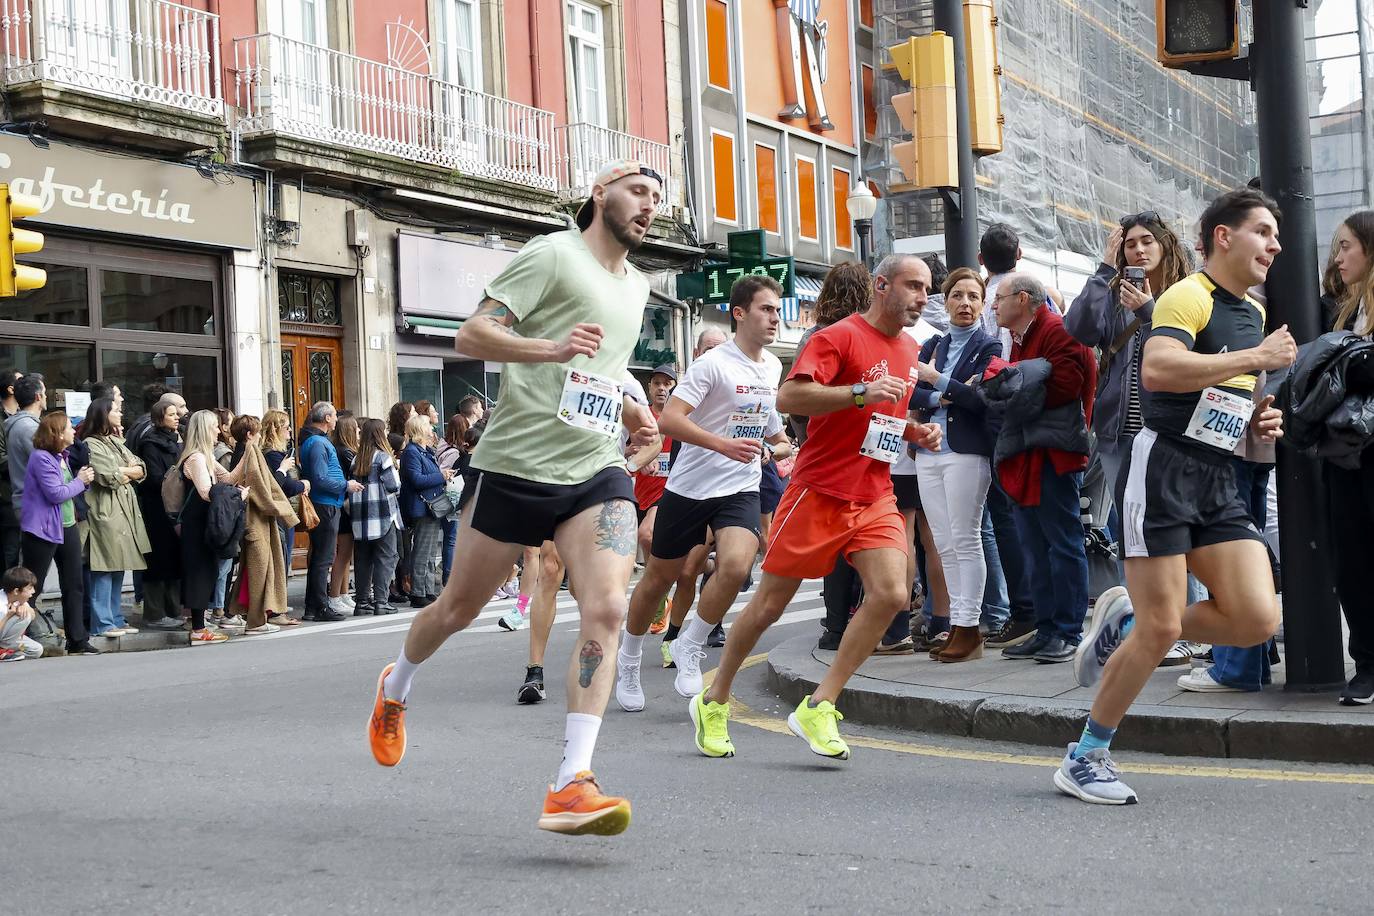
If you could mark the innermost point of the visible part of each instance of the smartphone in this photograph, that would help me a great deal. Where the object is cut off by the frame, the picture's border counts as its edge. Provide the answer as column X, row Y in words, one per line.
column 1135, row 276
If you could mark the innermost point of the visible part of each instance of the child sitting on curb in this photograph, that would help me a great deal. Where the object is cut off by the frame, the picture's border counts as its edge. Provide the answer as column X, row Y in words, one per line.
column 20, row 585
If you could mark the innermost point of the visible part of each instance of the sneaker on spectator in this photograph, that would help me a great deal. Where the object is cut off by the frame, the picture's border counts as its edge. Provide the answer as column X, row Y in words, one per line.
column 261, row 630
column 166, row 623
column 206, row 636
column 12, row 655
column 1200, row 680
column 1359, row 692
column 347, row 599
column 1181, row 653
column 1013, row 633
column 338, row 607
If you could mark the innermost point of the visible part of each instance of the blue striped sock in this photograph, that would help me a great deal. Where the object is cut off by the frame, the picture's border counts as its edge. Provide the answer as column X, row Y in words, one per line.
column 1095, row 735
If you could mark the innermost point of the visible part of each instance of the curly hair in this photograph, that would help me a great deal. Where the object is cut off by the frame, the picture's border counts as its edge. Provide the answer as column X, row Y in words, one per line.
column 1175, row 262
column 847, row 289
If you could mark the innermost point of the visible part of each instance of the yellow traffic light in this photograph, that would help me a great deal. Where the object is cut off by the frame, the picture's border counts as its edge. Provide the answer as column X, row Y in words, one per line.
column 1190, row 31
column 931, row 158
column 14, row 276
column 984, row 87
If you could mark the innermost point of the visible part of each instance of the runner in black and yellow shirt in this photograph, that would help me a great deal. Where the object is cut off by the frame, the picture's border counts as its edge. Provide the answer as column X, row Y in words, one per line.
column 1180, row 508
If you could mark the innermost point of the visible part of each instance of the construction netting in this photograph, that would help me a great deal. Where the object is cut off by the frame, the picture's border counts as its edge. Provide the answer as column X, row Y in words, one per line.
column 1095, row 128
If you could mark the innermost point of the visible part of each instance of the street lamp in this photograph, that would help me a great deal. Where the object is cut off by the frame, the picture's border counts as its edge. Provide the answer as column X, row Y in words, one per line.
column 861, row 205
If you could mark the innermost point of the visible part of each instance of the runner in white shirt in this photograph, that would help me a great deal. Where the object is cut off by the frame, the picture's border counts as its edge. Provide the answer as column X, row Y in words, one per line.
column 722, row 412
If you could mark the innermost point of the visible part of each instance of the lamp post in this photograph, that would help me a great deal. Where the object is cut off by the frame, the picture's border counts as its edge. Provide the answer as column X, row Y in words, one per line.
column 861, row 205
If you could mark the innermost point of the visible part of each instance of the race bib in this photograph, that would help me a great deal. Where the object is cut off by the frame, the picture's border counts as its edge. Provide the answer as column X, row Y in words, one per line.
column 884, row 440
column 660, row 467
column 1220, row 419
column 745, row 426
column 591, row 402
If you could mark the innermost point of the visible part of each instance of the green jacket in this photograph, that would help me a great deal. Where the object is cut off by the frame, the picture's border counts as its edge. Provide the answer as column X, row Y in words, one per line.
column 117, row 539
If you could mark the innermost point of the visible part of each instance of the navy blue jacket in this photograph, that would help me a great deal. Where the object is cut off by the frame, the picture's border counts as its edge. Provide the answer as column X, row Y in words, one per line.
column 966, row 427
column 420, row 477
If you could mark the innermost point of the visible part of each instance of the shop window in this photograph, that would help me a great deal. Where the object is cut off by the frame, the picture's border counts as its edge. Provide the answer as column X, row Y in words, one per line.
column 808, row 221
column 718, row 44
column 844, row 229
column 303, row 299
column 870, row 108
column 140, row 302
column 64, row 367
column 194, row 377
column 64, row 299
column 766, row 170
column 723, row 176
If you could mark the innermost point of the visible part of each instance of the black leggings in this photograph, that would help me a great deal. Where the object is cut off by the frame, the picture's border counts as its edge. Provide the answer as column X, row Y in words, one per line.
column 38, row 556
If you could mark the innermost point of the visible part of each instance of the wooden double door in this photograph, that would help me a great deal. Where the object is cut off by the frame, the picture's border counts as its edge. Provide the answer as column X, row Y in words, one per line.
column 311, row 371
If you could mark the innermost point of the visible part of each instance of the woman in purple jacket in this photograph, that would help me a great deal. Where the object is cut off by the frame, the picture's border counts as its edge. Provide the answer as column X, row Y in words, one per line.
column 48, row 522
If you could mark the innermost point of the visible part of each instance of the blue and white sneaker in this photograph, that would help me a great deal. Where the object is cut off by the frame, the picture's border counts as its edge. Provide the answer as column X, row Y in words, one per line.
column 1092, row 778
column 513, row 620
column 1110, row 613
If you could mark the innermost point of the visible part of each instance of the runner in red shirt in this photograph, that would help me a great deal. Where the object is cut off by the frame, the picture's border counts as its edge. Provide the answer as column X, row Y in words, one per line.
column 853, row 379
column 653, row 477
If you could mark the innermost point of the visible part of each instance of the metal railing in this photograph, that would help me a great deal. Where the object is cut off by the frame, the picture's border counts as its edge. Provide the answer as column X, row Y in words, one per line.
column 584, row 148
column 140, row 50
column 303, row 90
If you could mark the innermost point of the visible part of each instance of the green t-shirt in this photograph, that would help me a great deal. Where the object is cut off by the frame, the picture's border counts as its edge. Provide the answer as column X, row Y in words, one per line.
column 68, row 506
column 551, row 285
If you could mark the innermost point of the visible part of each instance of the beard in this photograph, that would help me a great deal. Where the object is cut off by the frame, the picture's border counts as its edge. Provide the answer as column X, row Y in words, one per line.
column 623, row 232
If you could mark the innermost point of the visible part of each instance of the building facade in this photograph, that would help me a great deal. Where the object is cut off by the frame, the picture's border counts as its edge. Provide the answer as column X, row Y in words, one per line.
column 1340, row 72
column 775, row 125
column 317, row 190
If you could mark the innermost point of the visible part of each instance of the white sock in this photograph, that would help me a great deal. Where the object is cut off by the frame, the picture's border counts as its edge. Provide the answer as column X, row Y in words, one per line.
column 397, row 683
column 696, row 631
column 631, row 646
column 579, row 740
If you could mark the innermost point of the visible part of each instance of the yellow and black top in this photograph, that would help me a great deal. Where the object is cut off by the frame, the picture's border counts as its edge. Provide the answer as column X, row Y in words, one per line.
column 1205, row 318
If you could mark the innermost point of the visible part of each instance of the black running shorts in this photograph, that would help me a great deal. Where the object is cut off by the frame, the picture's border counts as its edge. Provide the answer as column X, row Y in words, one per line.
column 682, row 522
column 518, row 511
column 907, row 492
column 1174, row 499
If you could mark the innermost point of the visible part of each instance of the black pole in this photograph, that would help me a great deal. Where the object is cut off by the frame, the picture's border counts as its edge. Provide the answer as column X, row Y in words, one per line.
column 865, row 229
column 961, row 212
column 1311, row 611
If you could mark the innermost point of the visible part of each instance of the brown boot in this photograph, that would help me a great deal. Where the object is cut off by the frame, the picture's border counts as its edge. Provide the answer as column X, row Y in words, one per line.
column 965, row 644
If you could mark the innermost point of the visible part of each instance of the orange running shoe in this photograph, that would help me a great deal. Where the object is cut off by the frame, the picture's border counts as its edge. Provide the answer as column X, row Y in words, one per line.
column 386, row 730
column 665, row 609
column 580, row 808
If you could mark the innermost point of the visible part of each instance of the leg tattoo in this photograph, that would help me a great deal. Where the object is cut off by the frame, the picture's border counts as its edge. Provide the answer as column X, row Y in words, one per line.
column 615, row 528
column 588, row 660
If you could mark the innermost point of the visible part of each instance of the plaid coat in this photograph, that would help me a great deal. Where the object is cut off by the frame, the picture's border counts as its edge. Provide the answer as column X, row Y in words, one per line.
column 375, row 508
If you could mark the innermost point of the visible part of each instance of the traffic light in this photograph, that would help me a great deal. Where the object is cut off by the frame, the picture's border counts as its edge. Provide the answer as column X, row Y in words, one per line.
column 1191, row 31
column 14, row 276
column 931, row 158
column 984, row 87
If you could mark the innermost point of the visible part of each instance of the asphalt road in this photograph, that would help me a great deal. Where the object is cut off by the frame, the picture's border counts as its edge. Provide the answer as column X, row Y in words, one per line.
column 237, row 779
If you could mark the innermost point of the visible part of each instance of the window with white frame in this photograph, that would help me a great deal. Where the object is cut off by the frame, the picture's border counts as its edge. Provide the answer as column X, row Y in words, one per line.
column 457, row 43
column 587, row 51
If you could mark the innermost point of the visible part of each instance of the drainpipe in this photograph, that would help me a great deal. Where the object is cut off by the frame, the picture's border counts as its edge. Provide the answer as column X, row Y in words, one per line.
column 534, row 55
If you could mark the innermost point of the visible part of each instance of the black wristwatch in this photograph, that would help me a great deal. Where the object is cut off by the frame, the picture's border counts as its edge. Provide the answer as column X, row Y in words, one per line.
column 858, row 389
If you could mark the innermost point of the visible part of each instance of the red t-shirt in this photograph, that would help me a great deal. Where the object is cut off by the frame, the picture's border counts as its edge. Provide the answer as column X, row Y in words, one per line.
column 848, row 352
column 651, row 480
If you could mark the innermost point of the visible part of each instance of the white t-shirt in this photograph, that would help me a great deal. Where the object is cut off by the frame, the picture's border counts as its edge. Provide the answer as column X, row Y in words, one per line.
column 723, row 384
column 635, row 390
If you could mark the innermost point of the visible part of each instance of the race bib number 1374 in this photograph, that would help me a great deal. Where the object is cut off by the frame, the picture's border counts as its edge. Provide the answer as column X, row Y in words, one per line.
column 591, row 402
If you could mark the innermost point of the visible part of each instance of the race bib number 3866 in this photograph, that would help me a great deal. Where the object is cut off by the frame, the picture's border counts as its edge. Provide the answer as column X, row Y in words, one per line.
column 591, row 402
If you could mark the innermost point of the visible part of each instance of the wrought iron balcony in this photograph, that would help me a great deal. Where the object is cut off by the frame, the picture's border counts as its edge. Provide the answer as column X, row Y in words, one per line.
column 584, row 148
column 297, row 89
column 141, row 51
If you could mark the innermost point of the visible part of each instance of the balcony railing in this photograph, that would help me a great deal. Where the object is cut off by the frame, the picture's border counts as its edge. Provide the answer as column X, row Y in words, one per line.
column 303, row 90
column 584, row 148
column 139, row 50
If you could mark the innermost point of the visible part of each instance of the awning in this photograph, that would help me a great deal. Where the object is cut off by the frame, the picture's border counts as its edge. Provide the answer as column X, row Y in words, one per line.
column 807, row 290
column 431, row 327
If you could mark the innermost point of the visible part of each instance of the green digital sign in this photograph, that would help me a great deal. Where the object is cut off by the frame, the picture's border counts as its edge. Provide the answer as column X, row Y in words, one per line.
column 720, row 278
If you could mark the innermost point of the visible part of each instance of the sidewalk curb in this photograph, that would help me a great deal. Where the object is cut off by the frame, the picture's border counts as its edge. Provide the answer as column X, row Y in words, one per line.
column 1319, row 737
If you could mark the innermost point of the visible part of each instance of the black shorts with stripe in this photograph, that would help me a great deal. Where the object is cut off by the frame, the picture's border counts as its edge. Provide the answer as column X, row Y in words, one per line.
column 513, row 510
column 1175, row 499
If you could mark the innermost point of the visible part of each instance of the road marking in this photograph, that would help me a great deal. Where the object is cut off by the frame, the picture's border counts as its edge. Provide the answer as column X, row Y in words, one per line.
column 739, row 712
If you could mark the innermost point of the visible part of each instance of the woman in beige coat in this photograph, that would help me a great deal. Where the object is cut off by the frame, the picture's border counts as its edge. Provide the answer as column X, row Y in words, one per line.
column 260, row 589
column 116, row 539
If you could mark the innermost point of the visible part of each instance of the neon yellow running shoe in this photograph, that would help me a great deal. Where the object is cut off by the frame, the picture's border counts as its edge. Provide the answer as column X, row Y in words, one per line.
column 664, row 648
column 710, row 720
column 818, row 726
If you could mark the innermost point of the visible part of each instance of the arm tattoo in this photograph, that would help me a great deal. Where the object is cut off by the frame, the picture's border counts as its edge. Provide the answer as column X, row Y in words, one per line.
column 615, row 528
column 588, row 660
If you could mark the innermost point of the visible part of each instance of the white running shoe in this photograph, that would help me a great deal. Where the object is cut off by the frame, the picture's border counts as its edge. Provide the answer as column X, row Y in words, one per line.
column 1200, row 680
column 628, row 692
column 513, row 620
column 1109, row 613
column 348, row 601
column 1093, row 778
column 688, row 658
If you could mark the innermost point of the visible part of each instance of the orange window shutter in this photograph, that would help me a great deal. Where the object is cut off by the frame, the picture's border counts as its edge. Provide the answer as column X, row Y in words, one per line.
column 844, row 229
column 870, row 108
column 766, row 166
column 723, row 164
column 807, row 220
column 866, row 12
column 717, row 44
